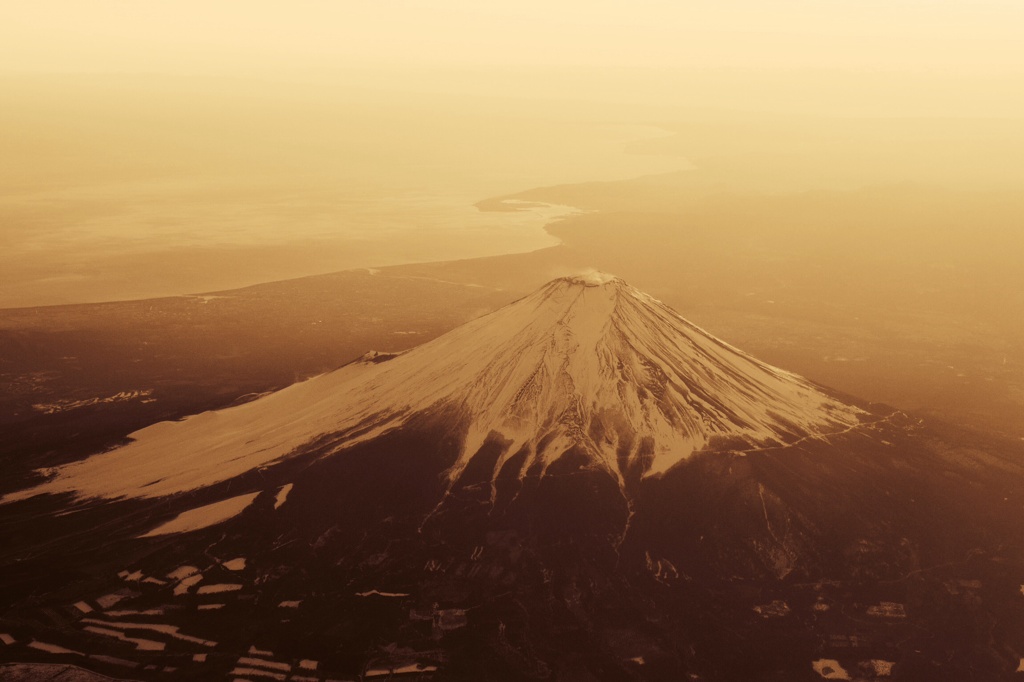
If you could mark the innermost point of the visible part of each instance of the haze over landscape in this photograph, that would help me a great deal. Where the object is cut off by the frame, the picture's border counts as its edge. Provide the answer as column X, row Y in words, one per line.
column 152, row 150
column 512, row 341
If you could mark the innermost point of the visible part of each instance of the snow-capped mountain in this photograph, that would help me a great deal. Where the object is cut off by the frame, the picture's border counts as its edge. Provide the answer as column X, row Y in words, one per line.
column 581, row 485
column 585, row 362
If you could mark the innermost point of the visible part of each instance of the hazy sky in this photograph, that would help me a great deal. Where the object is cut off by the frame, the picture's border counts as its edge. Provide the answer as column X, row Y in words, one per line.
column 198, row 35
column 168, row 127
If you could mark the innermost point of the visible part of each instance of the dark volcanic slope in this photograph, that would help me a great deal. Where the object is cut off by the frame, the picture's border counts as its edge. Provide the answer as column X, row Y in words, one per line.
column 880, row 549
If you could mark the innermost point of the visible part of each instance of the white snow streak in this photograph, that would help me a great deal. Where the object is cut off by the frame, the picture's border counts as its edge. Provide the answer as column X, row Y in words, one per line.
column 282, row 495
column 205, row 516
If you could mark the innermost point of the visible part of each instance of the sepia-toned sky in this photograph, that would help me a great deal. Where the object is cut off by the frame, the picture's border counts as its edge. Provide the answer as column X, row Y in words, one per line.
column 194, row 35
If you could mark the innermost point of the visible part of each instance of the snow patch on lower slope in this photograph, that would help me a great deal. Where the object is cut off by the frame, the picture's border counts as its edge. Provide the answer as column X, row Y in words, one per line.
column 205, row 516
column 586, row 362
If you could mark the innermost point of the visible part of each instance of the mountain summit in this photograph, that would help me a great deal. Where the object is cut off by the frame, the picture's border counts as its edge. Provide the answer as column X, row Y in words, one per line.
column 585, row 363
